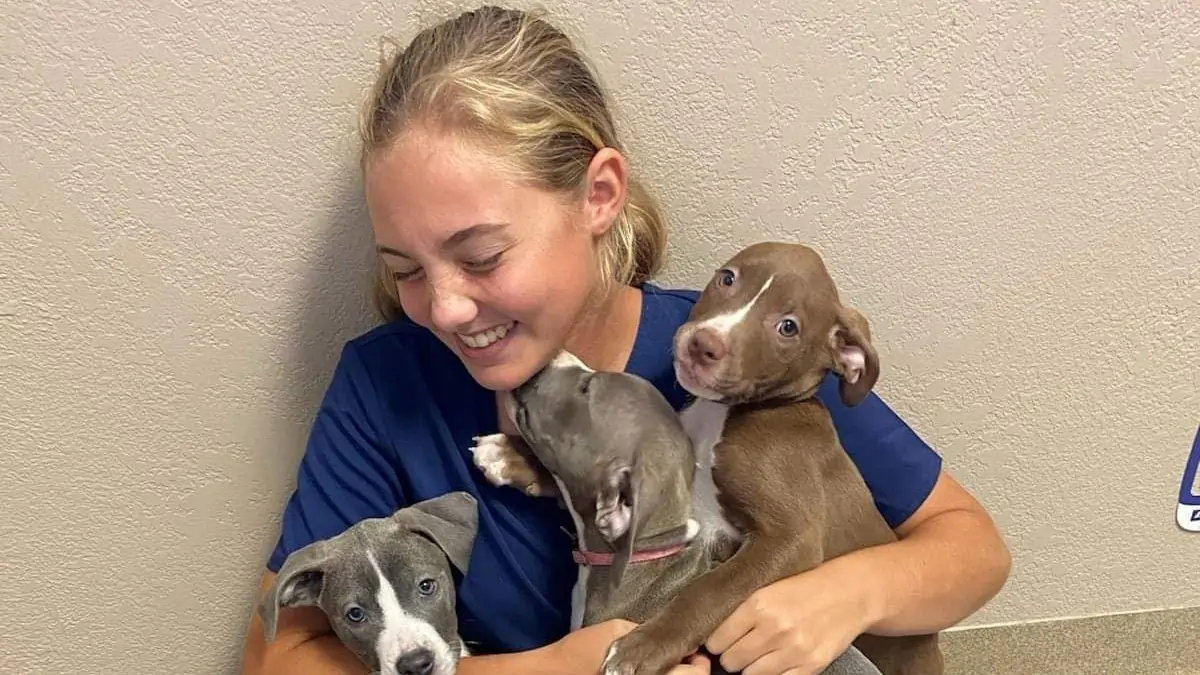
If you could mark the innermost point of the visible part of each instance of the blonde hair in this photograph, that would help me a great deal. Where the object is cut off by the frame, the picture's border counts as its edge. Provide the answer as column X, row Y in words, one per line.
column 512, row 81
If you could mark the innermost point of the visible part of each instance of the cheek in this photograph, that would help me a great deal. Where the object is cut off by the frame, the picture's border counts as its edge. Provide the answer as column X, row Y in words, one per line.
column 414, row 300
column 546, row 286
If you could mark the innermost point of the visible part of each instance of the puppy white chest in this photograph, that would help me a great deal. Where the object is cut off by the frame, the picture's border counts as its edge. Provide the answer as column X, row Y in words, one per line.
column 704, row 422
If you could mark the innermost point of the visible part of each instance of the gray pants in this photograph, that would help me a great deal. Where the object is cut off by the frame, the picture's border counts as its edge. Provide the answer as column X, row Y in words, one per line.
column 852, row 662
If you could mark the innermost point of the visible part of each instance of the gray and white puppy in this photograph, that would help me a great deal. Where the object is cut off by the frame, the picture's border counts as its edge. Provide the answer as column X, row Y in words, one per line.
column 615, row 453
column 387, row 586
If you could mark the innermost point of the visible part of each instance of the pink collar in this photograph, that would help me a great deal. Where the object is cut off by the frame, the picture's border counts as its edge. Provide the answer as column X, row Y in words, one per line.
column 600, row 559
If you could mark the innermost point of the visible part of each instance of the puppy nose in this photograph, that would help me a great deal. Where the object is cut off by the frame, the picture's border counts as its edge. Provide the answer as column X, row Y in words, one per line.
column 416, row 662
column 706, row 347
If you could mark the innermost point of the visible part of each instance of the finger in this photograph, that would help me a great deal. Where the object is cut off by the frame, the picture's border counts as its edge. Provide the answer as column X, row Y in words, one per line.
column 696, row 664
column 736, row 625
column 746, row 650
column 779, row 662
column 620, row 627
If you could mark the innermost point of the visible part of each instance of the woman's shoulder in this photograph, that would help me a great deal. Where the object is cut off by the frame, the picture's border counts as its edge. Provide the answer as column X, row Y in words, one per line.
column 395, row 365
column 671, row 296
column 397, row 344
column 664, row 309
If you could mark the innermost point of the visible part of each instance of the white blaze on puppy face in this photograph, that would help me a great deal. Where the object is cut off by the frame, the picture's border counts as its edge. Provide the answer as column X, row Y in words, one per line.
column 403, row 632
column 723, row 324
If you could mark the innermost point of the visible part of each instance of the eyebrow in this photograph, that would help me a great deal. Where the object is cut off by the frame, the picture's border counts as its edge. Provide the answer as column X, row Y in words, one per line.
column 463, row 235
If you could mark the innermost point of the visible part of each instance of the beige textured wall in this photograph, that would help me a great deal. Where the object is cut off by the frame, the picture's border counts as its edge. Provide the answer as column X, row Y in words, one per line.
column 1008, row 188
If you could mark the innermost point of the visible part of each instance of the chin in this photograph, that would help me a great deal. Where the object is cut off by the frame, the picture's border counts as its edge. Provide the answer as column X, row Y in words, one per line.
column 502, row 377
column 694, row 386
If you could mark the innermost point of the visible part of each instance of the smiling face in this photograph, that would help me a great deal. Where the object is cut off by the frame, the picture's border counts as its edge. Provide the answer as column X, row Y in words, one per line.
column 501, row 271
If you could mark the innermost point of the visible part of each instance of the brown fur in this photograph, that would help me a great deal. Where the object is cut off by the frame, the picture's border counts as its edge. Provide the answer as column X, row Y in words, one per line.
column 784, row 481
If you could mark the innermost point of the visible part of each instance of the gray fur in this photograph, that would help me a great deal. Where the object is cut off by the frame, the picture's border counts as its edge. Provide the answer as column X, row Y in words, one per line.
column 414, row 546
column 597, row 431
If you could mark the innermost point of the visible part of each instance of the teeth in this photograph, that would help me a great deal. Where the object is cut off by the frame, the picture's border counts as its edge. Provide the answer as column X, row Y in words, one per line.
column 487, row 337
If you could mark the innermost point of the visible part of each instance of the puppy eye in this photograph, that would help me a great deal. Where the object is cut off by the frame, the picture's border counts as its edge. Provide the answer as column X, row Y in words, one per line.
column 426, row 586
column 356, row 614
column 725, row 277
column 585, row 384
column 788, row 328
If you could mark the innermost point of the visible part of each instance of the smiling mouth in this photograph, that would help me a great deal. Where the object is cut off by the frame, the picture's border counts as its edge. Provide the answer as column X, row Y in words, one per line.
column 487, row 338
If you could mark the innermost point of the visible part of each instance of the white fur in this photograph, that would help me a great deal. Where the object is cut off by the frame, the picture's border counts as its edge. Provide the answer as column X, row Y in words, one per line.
column 565, row 359
column 723, row 324
column 490, row 452
column 704, row 422
column 607, row 669
column 403, row 632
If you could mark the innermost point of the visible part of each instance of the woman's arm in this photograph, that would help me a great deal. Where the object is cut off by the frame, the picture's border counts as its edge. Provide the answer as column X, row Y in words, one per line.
column 950, row 561
column 305, row 644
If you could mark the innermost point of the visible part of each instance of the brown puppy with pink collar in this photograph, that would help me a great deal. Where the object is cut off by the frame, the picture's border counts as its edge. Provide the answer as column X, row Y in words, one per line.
column 771, row 472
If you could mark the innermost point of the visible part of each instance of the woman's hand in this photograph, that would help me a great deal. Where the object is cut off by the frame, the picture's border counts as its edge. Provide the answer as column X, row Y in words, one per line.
column 796, row 626
column 583, row 650
column 696, row 664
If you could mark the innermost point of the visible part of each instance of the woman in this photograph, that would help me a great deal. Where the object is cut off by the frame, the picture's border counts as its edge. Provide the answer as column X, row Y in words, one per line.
column 509, row 226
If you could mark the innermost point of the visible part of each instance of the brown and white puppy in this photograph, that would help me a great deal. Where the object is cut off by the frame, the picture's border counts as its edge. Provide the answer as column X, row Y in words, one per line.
column 765, row 332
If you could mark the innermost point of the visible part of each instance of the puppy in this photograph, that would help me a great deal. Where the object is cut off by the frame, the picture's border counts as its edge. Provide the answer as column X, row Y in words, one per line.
column 623, row 465
column 386, row 585
column 764, row 334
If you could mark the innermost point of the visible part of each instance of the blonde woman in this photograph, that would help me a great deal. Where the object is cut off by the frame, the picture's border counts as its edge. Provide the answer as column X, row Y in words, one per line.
column 509, row 225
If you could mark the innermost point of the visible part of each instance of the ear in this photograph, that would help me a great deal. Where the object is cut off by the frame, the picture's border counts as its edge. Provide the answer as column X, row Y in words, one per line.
column 617, row 516
column 854, row 357
column 298, row 584
column 607, row 185
column 451, row 521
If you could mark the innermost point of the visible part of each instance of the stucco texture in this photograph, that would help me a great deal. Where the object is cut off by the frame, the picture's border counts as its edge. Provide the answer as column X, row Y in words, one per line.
column 1008, row 189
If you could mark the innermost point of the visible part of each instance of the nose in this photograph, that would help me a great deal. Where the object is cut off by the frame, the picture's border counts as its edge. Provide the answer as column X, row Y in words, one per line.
column 706, row 347
column 451, row 308
column 417, row 662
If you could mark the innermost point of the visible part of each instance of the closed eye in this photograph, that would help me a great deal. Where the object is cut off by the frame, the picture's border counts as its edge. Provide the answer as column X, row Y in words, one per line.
column 483, row 265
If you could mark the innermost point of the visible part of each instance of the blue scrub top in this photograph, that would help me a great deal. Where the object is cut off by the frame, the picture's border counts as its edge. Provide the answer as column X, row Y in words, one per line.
column 395, row 427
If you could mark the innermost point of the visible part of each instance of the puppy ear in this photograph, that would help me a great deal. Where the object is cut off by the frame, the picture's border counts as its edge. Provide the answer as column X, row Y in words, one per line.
column 451, row 521
column 854, row 357
column 298, row 584
column 617, row 516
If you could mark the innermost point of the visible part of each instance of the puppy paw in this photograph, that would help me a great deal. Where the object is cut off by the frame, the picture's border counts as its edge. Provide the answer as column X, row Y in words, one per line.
column 495, row 456
column 502, row 464
column 638, row 653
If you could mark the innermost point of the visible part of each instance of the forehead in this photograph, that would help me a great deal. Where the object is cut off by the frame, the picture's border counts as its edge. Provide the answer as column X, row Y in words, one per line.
column 391, row 542
column 425, row 187
column 792, row 271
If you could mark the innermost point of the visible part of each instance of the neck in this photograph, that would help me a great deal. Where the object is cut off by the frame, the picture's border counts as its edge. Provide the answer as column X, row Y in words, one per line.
column 603, row 337
column 646, row 548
